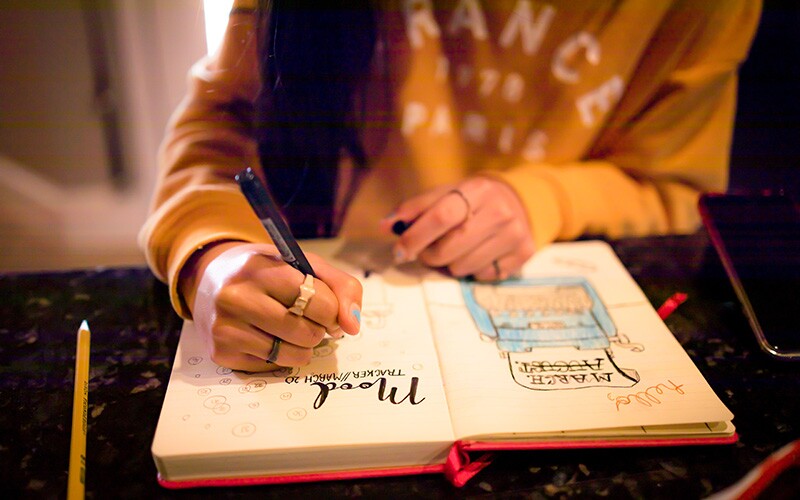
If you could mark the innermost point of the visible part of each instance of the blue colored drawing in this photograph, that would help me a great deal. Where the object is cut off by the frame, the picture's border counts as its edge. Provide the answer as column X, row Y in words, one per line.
column 543, row 312
column 546, row 317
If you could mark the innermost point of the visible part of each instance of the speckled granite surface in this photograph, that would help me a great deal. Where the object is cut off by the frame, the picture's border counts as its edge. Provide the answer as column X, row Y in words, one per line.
column 135, row 332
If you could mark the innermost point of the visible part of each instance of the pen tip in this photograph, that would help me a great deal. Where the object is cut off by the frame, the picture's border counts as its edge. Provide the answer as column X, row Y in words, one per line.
column 84, row 325
column 399, row 227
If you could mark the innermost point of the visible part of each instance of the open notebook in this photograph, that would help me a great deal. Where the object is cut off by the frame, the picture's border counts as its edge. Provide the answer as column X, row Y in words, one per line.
column 570, row 355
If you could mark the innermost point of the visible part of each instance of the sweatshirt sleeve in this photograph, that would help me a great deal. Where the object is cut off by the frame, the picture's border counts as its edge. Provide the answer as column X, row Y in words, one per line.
column 668, row 140
column 208, row 141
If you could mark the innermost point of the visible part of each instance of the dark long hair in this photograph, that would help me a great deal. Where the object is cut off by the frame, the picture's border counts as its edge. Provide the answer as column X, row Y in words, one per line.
column 313, row 56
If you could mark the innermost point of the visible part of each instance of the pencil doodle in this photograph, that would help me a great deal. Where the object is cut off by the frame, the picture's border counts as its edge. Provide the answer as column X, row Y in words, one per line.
column 555, row 332
column 245, row 429
column 324, row 348
column 376, row 307
column 256, row 385
column 374, row 315
column 217, row 404
column 297, row 414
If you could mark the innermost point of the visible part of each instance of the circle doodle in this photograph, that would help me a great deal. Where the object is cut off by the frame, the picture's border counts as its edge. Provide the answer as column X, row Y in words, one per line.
column 296, row 414
column 322, row 351
column 245, row 429
column 222, row 409
column 255, row 385
column 214, row 401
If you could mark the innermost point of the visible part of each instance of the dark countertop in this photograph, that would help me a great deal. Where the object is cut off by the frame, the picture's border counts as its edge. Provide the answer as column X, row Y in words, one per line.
column 135, row 332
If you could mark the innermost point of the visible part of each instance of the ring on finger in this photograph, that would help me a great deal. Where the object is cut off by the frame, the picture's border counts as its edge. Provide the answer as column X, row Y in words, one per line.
column 273, row 353
column 466, row 201
column 306, row 292
column 498, row 273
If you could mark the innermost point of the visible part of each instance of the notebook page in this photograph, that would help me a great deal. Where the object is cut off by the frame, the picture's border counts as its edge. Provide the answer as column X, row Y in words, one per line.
column 574, row 345
column 381, row 386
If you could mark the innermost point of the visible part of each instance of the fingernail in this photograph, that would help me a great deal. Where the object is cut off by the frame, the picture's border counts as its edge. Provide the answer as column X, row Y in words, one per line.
column 357, row 314
column 336, row 332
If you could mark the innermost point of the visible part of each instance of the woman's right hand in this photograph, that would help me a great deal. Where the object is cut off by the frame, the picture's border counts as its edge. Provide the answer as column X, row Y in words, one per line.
column 240, row 295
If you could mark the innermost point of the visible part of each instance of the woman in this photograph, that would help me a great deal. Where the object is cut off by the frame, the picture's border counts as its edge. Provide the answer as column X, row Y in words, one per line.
column 491, row 128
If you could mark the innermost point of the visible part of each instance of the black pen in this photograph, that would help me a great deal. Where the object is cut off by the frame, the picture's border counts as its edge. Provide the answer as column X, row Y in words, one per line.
column 267, row 210
column 400, row 226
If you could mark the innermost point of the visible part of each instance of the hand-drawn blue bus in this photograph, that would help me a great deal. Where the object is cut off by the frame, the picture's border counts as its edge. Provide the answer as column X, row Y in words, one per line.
column 534, row 315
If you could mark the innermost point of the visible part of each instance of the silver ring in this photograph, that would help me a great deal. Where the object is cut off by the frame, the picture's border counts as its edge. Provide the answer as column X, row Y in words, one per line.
column 273, row 353
column 306, row 292
column 469, row 206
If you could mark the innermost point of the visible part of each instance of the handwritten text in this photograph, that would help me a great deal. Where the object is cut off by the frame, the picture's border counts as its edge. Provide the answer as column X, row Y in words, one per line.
column 648, row 397
column 325, row 389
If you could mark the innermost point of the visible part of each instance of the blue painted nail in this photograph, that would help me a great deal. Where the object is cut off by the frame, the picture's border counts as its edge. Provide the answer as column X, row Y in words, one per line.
column 399, row 255
column 357, row 314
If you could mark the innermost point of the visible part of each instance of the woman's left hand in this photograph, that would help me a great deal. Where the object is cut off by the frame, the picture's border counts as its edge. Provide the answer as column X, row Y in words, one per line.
column 477, row 227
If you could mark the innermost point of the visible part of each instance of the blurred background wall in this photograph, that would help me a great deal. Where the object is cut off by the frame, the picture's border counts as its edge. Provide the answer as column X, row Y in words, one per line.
column 86, row 88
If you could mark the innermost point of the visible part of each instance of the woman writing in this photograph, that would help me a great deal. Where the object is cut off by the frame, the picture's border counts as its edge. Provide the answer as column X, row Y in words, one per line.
column 492, row 128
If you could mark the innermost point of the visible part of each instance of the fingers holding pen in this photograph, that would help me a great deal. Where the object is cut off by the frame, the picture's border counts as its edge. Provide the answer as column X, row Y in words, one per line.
column 478, row 227
column 424, row 219
column 272, row 290
column 408, row 212
column 238, row 345
column 245, row 307
column 246, row 302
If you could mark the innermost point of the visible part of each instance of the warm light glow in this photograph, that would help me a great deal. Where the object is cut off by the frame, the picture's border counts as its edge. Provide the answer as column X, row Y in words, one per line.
column 216, row 18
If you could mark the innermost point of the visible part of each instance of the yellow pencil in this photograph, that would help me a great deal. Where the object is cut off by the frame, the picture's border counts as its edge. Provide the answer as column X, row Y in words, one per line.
column 80, row 407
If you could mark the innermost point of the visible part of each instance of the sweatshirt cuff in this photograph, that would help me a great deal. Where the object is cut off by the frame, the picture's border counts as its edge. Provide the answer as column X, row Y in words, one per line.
column 172, row 235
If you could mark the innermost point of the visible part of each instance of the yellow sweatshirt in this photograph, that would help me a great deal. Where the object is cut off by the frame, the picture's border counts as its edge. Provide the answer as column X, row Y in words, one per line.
column 606, row 117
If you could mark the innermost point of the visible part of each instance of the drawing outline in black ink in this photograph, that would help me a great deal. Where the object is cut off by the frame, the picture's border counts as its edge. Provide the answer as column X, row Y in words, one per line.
column 555, row 332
